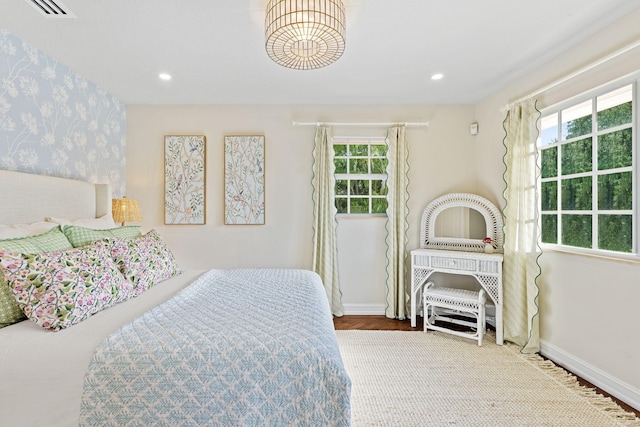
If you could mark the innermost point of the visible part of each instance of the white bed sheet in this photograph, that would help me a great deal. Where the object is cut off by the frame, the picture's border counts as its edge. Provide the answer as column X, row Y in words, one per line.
column 28, row 353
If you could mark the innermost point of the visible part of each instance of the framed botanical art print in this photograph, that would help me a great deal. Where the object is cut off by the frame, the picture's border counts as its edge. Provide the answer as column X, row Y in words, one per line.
column 244, row 179
column 184, row 179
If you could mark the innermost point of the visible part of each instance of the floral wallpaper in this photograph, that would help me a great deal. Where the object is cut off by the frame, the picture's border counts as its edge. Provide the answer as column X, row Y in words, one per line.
column 55, row 122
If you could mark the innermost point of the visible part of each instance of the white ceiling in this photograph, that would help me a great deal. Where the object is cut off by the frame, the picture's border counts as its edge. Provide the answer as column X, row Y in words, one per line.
column 214, row 49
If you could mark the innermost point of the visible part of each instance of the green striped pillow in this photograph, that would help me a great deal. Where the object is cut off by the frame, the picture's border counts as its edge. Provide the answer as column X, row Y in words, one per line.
column 52, row 240
column 81, row 236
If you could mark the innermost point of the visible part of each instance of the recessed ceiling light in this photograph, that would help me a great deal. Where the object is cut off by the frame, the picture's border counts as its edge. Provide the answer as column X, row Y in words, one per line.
column 164, row 76
column 437, row 76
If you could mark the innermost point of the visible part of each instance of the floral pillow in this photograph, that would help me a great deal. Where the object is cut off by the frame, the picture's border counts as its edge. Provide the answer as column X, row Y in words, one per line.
column 144, row 260
column 52, row 240
column 59, row 289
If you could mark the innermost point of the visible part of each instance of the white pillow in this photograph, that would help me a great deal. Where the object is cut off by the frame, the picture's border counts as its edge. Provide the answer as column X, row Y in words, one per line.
column 102, row 223
column 24, row 230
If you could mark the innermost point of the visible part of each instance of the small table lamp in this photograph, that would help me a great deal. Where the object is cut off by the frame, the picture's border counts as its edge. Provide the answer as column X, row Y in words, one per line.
column 125, row 210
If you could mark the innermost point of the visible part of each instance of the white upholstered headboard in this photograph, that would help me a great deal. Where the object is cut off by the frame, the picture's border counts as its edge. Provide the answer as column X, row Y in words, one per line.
column 26, row 198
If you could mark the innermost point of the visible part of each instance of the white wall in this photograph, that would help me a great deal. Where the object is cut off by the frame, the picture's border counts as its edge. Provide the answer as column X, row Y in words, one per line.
column 588, row 306
column 442, row 160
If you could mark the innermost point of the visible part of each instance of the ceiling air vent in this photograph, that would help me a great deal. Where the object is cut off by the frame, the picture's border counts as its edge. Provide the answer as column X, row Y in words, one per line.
column 51, row 8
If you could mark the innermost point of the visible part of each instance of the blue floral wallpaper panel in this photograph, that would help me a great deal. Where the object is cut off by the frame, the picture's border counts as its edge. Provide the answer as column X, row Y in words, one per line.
column 55, row 122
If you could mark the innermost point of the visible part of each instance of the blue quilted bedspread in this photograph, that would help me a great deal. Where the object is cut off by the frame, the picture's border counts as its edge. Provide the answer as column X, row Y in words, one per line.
column 235, row 348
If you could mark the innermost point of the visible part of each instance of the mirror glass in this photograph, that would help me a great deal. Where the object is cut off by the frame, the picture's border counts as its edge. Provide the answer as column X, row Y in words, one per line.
column 460, row 222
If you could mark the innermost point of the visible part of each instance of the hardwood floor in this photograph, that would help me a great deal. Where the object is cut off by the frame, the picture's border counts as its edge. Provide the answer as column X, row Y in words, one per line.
column 381, row 323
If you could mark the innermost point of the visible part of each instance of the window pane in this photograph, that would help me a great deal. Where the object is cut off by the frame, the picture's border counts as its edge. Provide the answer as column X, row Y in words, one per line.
column 340, row 149
column 379, row 166
column 576, row 157
column 614, row 150
column 341, row 187
column 614, row 108
column 360, row 172
column 378, row 150
column 576, row 120
column 576, row 230
column 358, row 166
column 576, row 194
column 615, row 233
column 359, row 187
column 378, row 187
column 378, row 205
column 359, row 205
column 341, row 165
column 549, row 195
column 549, row 228
column 359, row 149
column 549, row 129
column 549, row 162
column 615, row 191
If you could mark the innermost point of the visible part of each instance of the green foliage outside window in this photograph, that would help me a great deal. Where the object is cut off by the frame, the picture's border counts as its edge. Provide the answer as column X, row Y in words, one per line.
column 359, row 206
column 360, row 177
column 615, row 150
column 615, row 232
column 614, row 191
column 577, row 194
column 549, row 225
column 576, row 157
column 359, row 166
column 549, row 195
column 578, row 127
column 576, row 230
column 549, row 162
column 340, row 150
column 378, row 205
column 616, row 116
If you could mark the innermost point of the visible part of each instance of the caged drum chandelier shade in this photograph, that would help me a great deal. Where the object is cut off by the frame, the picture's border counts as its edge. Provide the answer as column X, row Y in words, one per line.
column 305, row 34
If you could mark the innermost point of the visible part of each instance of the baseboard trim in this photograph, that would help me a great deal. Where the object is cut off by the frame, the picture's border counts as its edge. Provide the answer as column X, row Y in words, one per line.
column 615, row 387
column 364, row 309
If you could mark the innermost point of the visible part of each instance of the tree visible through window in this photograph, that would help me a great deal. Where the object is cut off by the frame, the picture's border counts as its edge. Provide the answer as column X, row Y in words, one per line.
column 361, row 177
column 586, row 185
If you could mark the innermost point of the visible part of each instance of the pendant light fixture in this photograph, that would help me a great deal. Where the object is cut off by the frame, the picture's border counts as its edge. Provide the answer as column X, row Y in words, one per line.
column 305, row 34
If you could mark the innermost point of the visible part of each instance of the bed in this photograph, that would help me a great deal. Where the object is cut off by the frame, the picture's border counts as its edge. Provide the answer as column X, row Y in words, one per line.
column 246, row 347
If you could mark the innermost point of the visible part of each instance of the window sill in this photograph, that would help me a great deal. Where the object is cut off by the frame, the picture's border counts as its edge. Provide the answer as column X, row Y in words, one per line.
column 632, row 259
column 360, row 216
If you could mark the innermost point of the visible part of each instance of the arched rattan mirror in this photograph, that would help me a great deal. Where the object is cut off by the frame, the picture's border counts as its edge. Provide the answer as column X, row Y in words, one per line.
column 492, row 221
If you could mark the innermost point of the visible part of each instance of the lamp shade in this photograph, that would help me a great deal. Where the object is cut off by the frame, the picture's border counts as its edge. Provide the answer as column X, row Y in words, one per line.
column 305, row 34
column 125, row 210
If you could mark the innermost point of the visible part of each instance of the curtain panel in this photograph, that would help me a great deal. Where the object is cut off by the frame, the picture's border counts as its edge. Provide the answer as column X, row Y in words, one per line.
column 325, row 253
column 521, row 229
column 397, row 223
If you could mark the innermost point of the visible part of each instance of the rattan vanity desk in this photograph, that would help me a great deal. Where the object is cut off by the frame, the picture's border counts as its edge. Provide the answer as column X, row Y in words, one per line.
column 462, row 256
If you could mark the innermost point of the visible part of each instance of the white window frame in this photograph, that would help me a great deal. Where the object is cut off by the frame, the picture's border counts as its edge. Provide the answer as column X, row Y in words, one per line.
column 344, row 140
column 634, row 80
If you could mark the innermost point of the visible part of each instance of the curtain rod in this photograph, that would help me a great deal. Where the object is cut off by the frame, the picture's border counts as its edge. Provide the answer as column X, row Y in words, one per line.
column 408, row 124
column 576, row 73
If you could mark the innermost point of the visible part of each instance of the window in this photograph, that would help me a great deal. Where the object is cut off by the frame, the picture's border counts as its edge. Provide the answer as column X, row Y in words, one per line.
column 361, row 177
column 587, row 175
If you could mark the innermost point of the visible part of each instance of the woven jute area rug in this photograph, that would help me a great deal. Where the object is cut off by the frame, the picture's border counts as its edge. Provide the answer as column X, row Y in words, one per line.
column 402, row 378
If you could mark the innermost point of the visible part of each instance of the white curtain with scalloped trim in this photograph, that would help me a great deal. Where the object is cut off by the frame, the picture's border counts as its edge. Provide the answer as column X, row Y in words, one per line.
column 325, row 253
column 521, row 229
column 397, row 223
